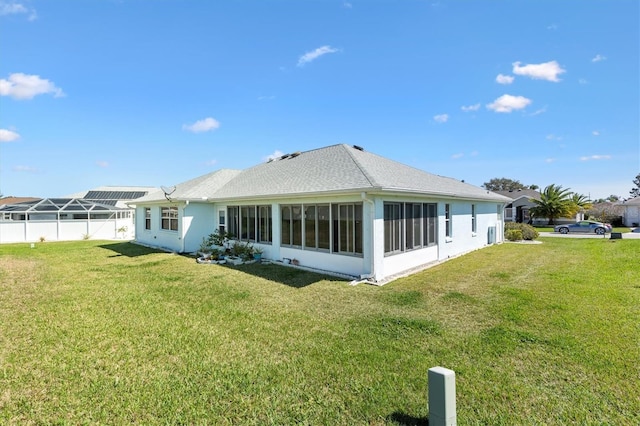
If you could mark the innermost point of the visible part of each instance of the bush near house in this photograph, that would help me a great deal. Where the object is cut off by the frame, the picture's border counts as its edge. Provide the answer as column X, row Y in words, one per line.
column 527, row 232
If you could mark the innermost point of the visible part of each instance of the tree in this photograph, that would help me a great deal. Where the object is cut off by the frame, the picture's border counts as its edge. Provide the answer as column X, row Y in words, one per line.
column 503, row 184
column 579, row 203
column 534, row 187
column 635, row 192
column 554, row 202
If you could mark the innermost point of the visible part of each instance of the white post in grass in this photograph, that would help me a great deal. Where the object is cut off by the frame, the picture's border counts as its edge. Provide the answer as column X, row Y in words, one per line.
column 442, row 397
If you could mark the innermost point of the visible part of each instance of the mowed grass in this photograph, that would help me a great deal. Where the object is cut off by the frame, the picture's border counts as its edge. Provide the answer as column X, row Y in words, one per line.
column 99, row 332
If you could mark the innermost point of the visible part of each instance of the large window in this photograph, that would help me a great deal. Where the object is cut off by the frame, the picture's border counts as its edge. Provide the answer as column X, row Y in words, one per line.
column 409, row 226
column 317, row 226
column 336, row 227
column 250, row 223
column 147, row 218
column 347, row 228
column 392, row 227
column 265, row 223
column 292, row 225
column 169, row 218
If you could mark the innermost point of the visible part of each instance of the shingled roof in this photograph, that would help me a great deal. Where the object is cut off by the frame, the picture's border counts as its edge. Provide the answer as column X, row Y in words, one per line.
column 333, row 169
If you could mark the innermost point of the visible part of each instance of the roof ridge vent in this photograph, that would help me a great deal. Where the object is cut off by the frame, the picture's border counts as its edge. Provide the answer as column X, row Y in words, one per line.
column 285, row 156
column 359, row 148
column 295, row 154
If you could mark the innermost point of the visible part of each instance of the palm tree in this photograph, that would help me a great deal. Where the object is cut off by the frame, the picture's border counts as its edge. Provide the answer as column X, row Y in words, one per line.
column 580, row 203
column 554, row 202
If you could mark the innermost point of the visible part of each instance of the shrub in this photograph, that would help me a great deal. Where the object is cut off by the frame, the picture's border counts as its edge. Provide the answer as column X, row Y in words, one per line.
column 528, row 231
column 513, row 235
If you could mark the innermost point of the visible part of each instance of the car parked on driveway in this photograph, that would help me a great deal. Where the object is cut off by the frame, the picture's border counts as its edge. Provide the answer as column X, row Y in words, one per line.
column 585, row 227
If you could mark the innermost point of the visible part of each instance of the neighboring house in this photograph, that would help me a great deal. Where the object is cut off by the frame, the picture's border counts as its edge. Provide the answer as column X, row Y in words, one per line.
column 97, row 214
column 518, row 209
column 336, row 209
column 631, row 212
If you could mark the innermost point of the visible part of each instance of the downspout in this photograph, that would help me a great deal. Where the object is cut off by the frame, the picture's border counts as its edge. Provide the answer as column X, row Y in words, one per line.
column 372, row 274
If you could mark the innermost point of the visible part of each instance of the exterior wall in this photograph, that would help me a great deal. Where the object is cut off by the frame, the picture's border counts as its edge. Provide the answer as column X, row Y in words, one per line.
column 631, row 215
column 156, row 237
column 198, row 220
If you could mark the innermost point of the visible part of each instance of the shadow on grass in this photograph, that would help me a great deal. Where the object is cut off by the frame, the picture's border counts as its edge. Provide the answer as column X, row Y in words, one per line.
column 405, row 419
column 292, row 277
column 129, row 249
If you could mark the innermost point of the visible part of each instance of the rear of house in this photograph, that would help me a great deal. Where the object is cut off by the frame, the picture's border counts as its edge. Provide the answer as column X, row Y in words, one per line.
column 337, row 209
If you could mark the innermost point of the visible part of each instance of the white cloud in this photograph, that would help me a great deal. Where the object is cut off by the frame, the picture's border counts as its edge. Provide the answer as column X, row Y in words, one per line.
column 276, row 154
column 538, row 112
column 553, row 27
column 550, row 160
column 266, row 98
column 595, row 133
column 508, row 103
column 552, row 137
column 211, row 163
column 582, row 81
column 103, row 164
column 8, row 135
column 315, row 54
column 24, row 86
column 546, row 71
column 456, row 156
column 200, row 126
column 504, row 79
column 474, row 107
column 595, row 157
column 441, row 118
column 347, row 5
column 26, row 169
column 598, row 58
column 17, row 8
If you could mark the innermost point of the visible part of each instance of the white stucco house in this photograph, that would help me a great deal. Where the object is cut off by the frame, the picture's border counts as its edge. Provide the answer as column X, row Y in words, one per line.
column 631, row 212
column 337, row 209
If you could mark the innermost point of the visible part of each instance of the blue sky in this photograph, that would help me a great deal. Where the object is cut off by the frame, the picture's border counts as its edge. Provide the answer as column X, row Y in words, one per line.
column 155, row 93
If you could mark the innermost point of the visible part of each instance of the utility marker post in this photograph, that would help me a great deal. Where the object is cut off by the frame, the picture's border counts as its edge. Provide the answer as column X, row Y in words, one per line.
column 442, row 397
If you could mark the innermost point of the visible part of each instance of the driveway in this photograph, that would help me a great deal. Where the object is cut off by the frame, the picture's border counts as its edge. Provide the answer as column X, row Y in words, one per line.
column 635, row 235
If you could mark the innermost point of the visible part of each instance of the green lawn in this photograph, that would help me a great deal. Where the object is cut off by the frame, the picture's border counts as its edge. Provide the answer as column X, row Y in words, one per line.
column 106, row 332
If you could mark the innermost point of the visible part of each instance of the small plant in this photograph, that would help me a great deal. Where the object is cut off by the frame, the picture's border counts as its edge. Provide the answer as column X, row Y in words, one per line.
column 528, row 232
column 513, row 235
column 42, row 239
column 219, row 238
column 86, row 236
column 122, row 230
column 205, row 247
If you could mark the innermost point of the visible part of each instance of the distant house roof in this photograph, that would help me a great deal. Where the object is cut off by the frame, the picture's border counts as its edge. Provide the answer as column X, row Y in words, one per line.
column 114, row 195
column 333, row 169
column 520, row 193
column 15, row 200
column 632, row 202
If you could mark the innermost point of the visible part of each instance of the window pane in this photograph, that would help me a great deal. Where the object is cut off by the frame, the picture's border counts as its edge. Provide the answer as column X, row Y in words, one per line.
column 296, row 224
column 357, row 228
column 286, row 225
column 324, row 227
column 251, row 224
column 417, row 222
column 310, row 226
column 234, row 221
column 265, row 224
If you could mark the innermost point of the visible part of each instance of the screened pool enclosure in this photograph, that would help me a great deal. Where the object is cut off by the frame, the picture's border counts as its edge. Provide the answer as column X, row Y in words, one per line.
column 58, row 219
